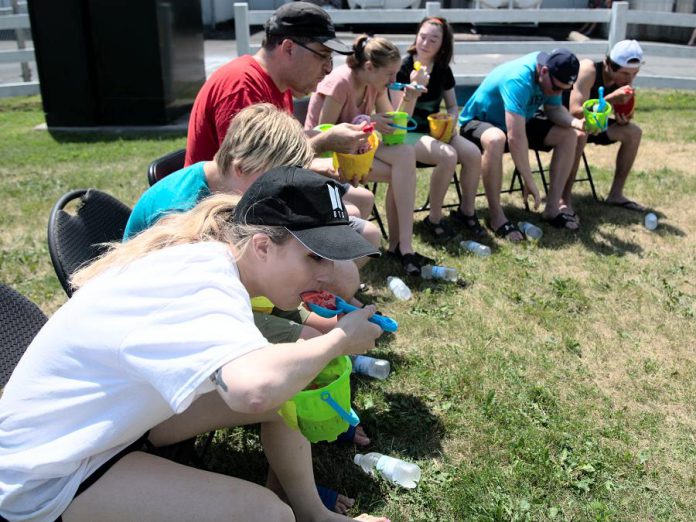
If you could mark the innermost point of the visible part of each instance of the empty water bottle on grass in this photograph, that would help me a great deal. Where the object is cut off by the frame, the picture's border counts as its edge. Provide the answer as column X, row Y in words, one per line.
column 475, row 248
column 404, row 474
column 364, row 365
column 439, row 272
column 399, row 288
column 530, row 231
column 650, row 221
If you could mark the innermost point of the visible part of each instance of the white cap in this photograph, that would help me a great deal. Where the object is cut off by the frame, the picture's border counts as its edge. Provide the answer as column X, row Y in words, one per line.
column 627, row 53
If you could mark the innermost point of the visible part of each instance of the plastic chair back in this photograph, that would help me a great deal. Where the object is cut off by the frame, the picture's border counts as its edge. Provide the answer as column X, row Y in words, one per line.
column 164, row 166
column 20, row 321
column 76, row 239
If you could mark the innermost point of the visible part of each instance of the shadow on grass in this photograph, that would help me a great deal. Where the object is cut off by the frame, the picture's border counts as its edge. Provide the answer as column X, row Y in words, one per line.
column 593, row 214
column 403, row 427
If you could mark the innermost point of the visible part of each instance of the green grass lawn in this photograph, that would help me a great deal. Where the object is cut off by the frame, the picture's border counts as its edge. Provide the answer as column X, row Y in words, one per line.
column 559, row 384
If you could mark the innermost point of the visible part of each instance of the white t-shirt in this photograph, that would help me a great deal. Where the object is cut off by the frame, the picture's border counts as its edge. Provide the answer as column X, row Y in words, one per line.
column 133, row 347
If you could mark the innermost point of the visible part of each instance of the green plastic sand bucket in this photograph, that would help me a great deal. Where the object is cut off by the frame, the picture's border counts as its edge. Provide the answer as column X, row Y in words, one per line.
column 323, row 413
column 323, row 128
column 402, row 124
column 596, row 121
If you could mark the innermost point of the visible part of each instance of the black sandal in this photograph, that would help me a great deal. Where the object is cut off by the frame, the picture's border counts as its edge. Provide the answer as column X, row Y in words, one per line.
column 506, row 229
column 471, row 223
column 440, row 231
column 562, row 221
column 410, row 265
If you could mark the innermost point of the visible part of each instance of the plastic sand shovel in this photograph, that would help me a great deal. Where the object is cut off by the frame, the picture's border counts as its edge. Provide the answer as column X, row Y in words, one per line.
column 398, row 86
column 326, row 304
column 602, row 102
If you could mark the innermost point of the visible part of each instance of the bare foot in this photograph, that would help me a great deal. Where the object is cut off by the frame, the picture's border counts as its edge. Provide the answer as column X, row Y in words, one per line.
column 343, row 504
column 361, row 439
column 369, row 518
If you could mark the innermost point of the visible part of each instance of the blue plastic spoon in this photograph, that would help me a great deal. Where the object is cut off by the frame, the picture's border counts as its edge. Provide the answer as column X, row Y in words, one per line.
column 398, row 86
column 385, row 323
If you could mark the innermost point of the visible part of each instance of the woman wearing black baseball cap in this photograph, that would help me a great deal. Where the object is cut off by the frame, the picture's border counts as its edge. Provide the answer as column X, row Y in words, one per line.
column 158, row 345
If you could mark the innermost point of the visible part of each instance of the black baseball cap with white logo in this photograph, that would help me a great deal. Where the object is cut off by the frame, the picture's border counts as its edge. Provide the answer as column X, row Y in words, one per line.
column 309, row 206
column 305, row 20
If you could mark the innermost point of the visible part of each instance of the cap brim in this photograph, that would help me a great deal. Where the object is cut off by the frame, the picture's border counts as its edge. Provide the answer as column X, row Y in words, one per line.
column 335, row 45
column 336, row 242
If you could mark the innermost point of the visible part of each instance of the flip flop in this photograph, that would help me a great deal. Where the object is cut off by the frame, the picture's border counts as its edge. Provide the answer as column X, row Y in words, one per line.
column 562, row 220
column 629, row 205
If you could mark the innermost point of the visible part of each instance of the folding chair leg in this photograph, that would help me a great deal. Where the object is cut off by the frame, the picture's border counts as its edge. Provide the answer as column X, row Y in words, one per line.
column 458, row 188
column 541, row 172
column 589, row 176
column 375, row 214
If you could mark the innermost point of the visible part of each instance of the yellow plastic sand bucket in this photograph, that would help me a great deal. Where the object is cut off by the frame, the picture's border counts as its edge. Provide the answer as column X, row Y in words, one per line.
column 323, row 128
column 323, row 413
column 359, row 165
column 441, row 126
column 596, row 121
column 402, row 124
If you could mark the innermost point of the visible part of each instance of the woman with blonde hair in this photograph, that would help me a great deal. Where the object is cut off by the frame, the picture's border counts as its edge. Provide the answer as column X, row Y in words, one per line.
column 360, row 87
column 158, row 344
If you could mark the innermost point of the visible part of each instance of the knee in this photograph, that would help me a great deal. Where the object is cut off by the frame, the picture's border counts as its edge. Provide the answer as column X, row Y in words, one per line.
column 448, row 157
column 635, row 133
column 580, row 138
column 276, row 510
column 495, row 145
column 372, row 233
column 352, row 209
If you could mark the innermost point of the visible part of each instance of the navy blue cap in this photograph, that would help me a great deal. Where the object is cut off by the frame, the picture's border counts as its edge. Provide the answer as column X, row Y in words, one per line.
column 562, row 65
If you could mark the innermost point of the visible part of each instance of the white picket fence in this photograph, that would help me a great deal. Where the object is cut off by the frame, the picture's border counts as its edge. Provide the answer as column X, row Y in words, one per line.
column 19, row 25
column 618, row 18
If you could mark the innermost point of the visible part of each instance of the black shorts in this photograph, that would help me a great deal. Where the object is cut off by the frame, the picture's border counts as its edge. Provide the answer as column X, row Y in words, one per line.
column 602, row 138
column 142, row 444
column 537, row 128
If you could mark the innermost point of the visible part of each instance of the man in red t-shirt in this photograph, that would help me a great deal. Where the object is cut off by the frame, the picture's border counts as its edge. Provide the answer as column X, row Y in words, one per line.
column 295, row 56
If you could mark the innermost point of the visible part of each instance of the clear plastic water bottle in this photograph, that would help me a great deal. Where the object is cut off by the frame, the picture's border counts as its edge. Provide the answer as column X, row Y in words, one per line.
column 399, row 288
column 404, row 474
column 439, row 272
column 529, row 230
column 376, row 368
column 650, row 221
column 475, row 248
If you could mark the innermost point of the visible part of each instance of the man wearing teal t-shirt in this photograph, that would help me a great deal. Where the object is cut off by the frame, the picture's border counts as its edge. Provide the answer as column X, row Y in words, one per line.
column 502, row 116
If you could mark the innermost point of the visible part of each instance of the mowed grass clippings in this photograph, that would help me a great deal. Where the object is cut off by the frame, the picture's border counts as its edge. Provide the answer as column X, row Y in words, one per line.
column 558, row 383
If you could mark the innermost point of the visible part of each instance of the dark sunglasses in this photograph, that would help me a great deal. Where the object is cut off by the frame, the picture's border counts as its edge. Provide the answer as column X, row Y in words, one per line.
column 328, row 58
column 557, row 87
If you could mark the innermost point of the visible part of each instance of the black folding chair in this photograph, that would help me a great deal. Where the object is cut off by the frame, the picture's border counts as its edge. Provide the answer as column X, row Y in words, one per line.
column 75, row 239
column 540, row 170
column 164, row 166
column 20, row 321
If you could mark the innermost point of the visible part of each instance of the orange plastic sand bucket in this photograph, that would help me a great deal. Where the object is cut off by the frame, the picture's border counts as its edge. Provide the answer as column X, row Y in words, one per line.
column 359, row 165
column 441, row 126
